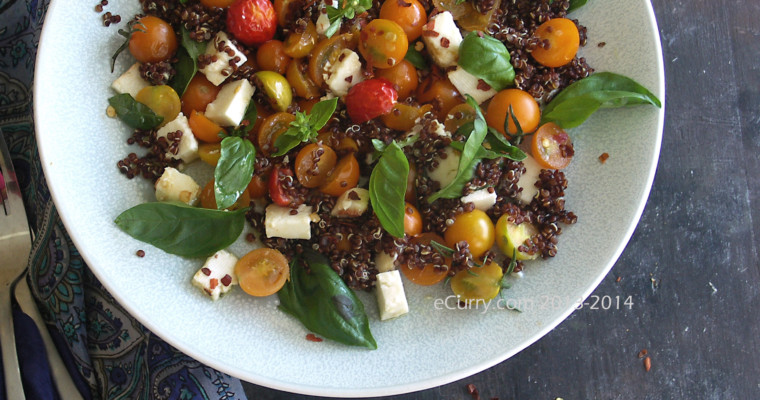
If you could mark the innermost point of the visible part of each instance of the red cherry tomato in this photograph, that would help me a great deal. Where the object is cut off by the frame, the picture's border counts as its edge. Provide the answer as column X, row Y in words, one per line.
column 252, row 22
column 276, row 190
column 370, row 99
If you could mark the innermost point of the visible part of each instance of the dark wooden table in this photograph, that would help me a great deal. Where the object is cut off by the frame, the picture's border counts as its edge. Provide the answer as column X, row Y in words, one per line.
column 692, row 264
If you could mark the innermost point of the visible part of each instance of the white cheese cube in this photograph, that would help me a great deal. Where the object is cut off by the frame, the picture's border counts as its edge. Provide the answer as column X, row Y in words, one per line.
column 528, row 180
column 467, row 83
column 345, row 73
column 130, row 82
column 483, row 199
column 217, row 275
column 217, row 47
column 228, row 109
column 391, row 299
column 323, row 22
column 442, row 39
column 187, row 151
column 289, row 223
column 176, row 186
column 385, row 262
column 352, row 203
column 447, row 168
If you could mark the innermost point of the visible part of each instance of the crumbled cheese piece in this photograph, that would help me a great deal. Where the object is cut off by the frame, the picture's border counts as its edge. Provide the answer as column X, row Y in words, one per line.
column 228, row 109
column 176, row 186
column 345, row 73
column 528, row 179
column 131, row 81
column 483, row 199
column 289, row 223
column 213, row 71
column 442, row 39
column 323, row 22
column 187, row 151
column 467, row 83
column 447, row 167
column 385, row 262
column 217, row 275
column 352, row 203
column 391, row 299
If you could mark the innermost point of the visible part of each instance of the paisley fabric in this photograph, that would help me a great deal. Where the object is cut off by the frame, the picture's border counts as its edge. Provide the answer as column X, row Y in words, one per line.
column 110, row 354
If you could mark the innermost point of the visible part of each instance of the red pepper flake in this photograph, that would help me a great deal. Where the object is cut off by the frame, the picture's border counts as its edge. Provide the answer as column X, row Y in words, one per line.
column 140, row 253
column 206, row 271
column 429, row 33
column 250, row 238
column 213, row 283
column 353, row 195
column 349, row 78
column 603, row 158
column 445, row 42
column 313, row 338
column 618, row 279
column 647, row 364
column 473, row 391
column 482, row 85
column 227, row 280
column 601, row 44
column 642, row 353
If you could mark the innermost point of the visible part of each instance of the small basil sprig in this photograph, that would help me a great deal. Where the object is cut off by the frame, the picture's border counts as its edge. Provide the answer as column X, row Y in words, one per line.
column 346, row 9
column 233, row 171
column 387, row 189
column 577, row 102
column 319, row 298
column 305, row 127
column 135, row 114
column 180, row 229
column 488, row 59
column 415, row 58
column 187, row 62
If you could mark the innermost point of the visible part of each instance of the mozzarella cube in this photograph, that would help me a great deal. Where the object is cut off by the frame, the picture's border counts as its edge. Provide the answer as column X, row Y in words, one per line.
column 228, row 109
column 289, row 223
column 217, row 275
column 217, row 71
column 345, row 73
column 528, row 180
column 442, row 39
column 447, row 168
column 385, row 262
column 352, row 203
column 391, row 299
column 176, row 186
column 467, row 83
column 187, row 151
column 483, row 199
column 130, row 82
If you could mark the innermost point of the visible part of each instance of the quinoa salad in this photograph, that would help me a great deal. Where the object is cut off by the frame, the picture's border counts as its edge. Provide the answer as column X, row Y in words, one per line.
column 366, row 144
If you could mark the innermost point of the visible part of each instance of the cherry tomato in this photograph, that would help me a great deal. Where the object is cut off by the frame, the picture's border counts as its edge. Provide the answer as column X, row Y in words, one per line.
column 327, row 51
column 411, row 185
column 252, row 22
column 439, row 92
column 299, row 44
column 271, row 128
column 524, row 106
column 409, row 14
column 552, row 147
column 277, row 177
column 458, row 116
column 205, row 129
column 313, row 162
column 562, row 35
column 429, row 275
column 403, row 76
column 199, row 93
column 383, row 43
column 478, row 283
column 163, row 100
column 154, row 40
column 257, row 188
column 510, row 237
column 262, row 272
column 208, row 198
column 467, row 17
column 271, row 57
column 283, row 10
column 475, row 228
column 403, row 117
column 210, row 153
column 344, row 176
column 370, row 99
column 412, row 220
column 217, row 3
column 341, row 146
column 300, row 81
column 276, row 88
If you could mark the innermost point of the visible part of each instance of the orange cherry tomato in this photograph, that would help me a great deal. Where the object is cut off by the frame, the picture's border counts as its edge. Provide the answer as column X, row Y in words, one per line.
column 313, row 162
column 475, row 228
column 208, row 199
column 458, row 116
column 257, row 188
column 439, row 92
column 478, row 283
column 283, row 10
column 412, row 220
column 217, row 3
column 199, row 93
column 429, row 275
column 524, row 106
column 402, row 117
column 403, row 76
column 300, row 81
column 409, row 14
column 299, row 44
column 205, row 129
column 210, row 153
column 262, row 272
column 154, row 40
column 271, row 57
column 562, row 35
column 344, row 176
column 383, row 43
column 272, row 127
column 327, row 51
column 552, row 147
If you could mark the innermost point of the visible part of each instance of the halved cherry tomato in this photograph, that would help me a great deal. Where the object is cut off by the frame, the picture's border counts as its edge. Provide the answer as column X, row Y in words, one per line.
column 402, row 117
column 257, row 188
column 383, row 43
column 439, row 92
column 199, row 93
column 429, row 275
column 210, row 153
column 327, row 51
column 163, row 100
column 370, row 99
column 217, row 3
column 283, row 10
column 344, row 176
column 204, row 128
column 475, row 228
column 341, row 146
column 563, row 38
column 271, row 128
column 403, row 76
column 524, row 106
column 208, row 198
column 271, row 56
column 262, row 272
column 313, row 162
column 299, row 44
column 276, row 191
column 412, row 220
column 252, row 22
column 154, row 40
column 409, row 14
column 552, row 147
column 458, row 116
column 478, row 283
column 300, row 81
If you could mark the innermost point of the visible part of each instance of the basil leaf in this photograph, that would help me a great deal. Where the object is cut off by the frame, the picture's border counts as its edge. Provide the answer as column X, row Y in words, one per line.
column 416, row 58
column 251, row 113
column 288, row 140
column 323, row 303
column 194, row 48
column 576, row 4
column 387, row 189
column 133, row 113
column 488, row 59
column 187, row 62
column 233, row 171
column 499, row 146
column 321, row 113
column 180, row 229
column 305, row 127
column 578, row 101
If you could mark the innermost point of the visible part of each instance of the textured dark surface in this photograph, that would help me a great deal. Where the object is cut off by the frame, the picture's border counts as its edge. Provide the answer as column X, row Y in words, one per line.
column 691, row 267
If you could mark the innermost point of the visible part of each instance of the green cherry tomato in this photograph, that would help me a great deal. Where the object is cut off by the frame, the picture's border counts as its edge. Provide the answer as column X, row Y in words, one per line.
column 277, row 89
column 477, row 283
column 509, row 237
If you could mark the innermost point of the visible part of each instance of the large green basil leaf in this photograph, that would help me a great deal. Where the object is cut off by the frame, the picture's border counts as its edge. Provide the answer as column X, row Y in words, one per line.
column 233, row 171
column 488, row 59
column 323, row 303
column 133, row 113
column 578, row 101
column 387, row 189
column 187, row 62
column 180, row 229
